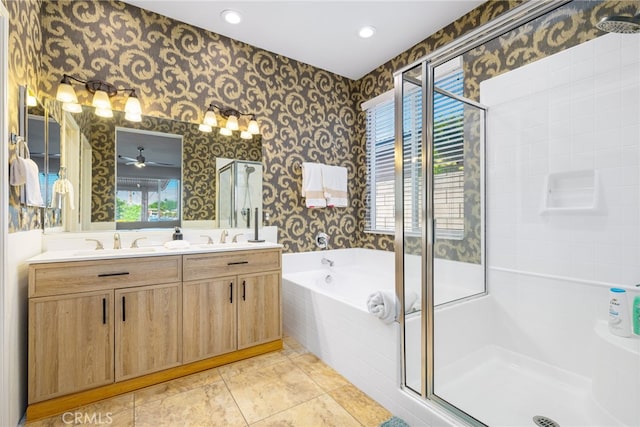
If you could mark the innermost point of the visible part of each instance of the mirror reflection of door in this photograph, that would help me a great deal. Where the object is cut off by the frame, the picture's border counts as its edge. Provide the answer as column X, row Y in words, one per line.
column 148, row 179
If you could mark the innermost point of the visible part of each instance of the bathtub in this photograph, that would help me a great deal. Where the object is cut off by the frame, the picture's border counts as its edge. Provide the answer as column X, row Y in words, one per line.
column 324, row 308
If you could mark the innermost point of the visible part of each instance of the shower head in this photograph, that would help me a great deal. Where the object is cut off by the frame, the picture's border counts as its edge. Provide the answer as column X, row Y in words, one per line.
column 249, row 169
column 620, row 24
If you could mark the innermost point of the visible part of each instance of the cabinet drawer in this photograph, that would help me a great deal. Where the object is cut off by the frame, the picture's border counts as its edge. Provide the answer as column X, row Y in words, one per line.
column 202, row 266
column 83, row 276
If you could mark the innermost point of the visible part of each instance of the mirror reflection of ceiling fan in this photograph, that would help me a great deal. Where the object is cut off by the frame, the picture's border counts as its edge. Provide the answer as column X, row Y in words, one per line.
column 140, row 161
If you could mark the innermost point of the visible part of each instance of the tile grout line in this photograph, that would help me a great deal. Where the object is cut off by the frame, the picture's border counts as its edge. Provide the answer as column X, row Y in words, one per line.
column 234, row 399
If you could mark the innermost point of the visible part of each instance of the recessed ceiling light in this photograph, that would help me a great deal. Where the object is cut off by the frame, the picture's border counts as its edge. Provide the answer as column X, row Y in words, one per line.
column 367, row 31
column 231, row 16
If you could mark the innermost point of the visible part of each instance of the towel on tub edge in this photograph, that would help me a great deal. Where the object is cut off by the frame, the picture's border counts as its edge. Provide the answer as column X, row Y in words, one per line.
column 382, row 304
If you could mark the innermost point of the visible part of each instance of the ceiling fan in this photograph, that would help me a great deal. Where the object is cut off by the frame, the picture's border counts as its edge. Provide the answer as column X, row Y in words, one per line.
column 140, row 161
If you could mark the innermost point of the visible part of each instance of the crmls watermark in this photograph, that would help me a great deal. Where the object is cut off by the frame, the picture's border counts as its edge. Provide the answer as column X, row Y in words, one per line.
column 94, row 418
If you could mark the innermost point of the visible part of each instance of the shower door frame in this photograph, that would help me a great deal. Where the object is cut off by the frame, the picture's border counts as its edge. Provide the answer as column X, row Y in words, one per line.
column 495, row 28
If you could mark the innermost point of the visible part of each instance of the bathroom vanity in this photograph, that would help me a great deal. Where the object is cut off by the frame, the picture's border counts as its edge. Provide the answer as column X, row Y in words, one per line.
column 102, row 326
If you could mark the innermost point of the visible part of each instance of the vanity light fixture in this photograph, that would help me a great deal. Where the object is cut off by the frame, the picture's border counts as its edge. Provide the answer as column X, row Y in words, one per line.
column 233, row 119
column 102, row 93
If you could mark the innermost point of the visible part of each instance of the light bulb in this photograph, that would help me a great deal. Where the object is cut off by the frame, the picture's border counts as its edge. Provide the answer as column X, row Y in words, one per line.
column 72, row 107
column 225, row 132
column 245, row 134
column 133, row 117
column 66, row 93
column 204, row 128
column 232, row 123
column 32, row 101
column 253, row 127
column 210, row 118
column 104, row 112
column 133, row 105
column 101, row 100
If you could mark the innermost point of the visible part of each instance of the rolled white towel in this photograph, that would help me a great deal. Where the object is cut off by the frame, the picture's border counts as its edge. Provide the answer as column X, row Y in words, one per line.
column 410, row 299
column 382, row 304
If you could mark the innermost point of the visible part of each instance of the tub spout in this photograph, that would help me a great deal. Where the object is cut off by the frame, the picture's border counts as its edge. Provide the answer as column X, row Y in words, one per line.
column 326, row 261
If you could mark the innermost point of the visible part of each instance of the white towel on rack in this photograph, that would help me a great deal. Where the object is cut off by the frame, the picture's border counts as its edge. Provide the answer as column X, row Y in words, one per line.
column 334, row 183
column 312, row 185
column 18, row 166
column 33, row 196
column 62, row 189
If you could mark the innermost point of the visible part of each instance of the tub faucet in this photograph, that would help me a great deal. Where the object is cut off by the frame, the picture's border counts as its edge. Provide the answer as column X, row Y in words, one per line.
column 326, row 261
column 116, row 241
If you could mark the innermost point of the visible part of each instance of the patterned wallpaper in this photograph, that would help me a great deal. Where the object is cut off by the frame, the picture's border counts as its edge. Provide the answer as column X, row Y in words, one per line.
column 25, row 42
column 306, row 114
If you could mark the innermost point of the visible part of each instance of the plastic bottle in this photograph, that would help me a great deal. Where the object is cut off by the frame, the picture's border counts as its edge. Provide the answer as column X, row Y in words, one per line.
column 177, row 235
column 636, row 315
column 619, row 323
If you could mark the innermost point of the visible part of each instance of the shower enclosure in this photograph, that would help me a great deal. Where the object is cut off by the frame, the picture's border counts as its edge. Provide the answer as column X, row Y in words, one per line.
column 239, row 189
column 517, row 206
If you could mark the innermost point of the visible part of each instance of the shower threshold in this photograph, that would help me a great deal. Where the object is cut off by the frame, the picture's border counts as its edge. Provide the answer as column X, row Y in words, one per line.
column 503, row 388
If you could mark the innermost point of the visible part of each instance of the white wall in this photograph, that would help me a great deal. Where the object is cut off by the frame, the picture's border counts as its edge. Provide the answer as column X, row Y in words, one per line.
column 549, row 271
column 21, row 246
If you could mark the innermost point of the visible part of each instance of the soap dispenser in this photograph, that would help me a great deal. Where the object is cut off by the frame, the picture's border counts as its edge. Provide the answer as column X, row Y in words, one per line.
column 177, row 235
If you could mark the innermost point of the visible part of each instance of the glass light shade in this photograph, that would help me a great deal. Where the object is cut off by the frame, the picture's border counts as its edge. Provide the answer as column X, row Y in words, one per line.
column 245, row 134
column 133, row 105
column 32, row 101
column 133, row 117
column 210, row 118
column 204, row 128
column 253, row 127
column 66, row 93
column 104, row 112
column 101, row 100
column 140, row 165
column 232, row 123
column 72, row 107
column 225, row 132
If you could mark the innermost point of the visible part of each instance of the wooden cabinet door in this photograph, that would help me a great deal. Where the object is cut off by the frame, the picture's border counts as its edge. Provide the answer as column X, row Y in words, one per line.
column 148, row 329
column 70, row 343
column 209, row 318
column 258, row 309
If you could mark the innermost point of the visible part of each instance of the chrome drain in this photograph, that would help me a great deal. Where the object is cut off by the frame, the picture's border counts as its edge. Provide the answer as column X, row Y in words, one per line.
column 544, row 421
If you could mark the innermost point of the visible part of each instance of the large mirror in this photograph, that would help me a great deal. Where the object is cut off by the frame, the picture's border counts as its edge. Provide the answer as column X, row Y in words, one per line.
column 180, row 185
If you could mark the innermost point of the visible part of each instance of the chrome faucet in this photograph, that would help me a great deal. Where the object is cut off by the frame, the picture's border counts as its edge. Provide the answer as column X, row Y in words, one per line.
column 98, row 243
column 223, row 236
column 116, row 241
column 326, row 261
column 134, row 244
column 209, row 239
column 235, row 238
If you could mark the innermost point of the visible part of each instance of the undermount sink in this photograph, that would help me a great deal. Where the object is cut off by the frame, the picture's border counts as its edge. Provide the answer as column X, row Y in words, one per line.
column 109, row 252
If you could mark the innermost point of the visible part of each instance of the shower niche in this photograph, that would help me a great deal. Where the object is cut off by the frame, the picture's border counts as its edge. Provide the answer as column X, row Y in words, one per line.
column 239, row 189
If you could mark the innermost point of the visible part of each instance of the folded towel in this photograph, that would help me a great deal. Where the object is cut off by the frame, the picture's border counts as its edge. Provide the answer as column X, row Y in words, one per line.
column 334, row 185
column 382, row 304
column 312, row 185
column 62, row 189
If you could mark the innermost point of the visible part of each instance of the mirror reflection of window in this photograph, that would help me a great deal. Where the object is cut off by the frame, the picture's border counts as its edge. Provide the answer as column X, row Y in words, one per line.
column 148, row 179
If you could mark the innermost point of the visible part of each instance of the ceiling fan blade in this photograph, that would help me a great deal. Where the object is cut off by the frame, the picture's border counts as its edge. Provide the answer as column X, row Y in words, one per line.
column 130, row 159
column 159, row 163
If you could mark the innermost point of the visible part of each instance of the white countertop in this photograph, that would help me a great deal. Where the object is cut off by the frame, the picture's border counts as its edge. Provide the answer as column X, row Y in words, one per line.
column 145, row 251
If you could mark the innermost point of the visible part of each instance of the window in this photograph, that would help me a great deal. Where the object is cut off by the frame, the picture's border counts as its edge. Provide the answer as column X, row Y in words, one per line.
column 448, row 160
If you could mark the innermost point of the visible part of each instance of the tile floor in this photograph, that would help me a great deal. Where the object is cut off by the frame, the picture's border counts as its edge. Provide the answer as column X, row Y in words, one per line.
column 290, row 387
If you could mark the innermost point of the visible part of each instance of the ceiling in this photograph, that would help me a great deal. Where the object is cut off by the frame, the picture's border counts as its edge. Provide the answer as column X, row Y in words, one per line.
column 321, row 33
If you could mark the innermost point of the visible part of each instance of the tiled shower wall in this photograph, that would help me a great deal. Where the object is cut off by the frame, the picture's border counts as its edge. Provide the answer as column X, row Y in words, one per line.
column 578, row 111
